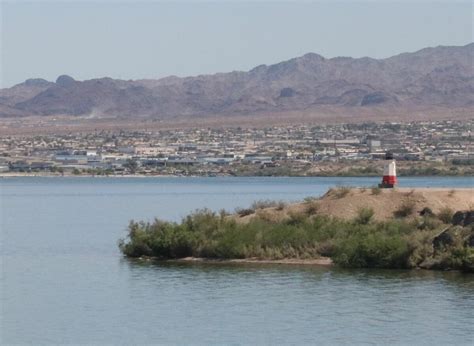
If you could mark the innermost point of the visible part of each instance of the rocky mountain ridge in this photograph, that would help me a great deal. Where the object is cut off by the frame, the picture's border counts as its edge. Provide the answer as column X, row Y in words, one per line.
column 432, row 77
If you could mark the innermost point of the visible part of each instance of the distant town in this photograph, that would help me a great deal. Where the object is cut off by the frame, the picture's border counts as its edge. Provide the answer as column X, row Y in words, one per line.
column 421, row 148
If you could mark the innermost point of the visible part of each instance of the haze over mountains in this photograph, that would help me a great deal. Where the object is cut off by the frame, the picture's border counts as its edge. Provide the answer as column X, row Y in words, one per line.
column 441, row 77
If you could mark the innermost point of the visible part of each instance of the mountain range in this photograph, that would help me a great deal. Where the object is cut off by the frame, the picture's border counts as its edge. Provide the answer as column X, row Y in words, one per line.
column 439, row 77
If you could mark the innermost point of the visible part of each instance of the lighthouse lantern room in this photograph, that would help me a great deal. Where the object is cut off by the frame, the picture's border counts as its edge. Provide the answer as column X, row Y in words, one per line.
column 389, row 179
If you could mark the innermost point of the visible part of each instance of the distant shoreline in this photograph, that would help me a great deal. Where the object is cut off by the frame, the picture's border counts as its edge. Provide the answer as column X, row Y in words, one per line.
column 87, row 176
column 35, row 175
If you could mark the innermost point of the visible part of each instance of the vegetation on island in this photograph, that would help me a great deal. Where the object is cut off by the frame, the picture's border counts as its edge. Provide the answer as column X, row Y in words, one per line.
column 400, row 242
column 339, row 168
column 357, row 168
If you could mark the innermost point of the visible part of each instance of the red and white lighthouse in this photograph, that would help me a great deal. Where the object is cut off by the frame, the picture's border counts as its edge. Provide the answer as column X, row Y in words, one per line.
column 389, row 179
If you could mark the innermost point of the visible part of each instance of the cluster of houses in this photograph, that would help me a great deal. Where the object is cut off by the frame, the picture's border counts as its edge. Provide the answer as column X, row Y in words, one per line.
column 208, row 150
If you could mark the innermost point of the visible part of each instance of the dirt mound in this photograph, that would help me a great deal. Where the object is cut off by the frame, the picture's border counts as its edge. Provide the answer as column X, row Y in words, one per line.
column 387, row 203
column 345, row 203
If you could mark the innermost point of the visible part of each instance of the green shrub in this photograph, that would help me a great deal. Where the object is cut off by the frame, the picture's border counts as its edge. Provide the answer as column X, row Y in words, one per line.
column 466, row 256
column 364, row 215
column 421, row 247
column 264, row 203
column 207, row 234
column 372, row 250
column 160, row 239
column 455, row 257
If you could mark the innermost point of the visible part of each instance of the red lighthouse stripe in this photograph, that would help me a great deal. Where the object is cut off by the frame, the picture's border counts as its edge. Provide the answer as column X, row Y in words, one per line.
column 389, row 179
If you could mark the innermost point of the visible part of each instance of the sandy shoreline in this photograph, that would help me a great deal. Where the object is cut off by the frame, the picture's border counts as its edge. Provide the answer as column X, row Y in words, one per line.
column 323, row 261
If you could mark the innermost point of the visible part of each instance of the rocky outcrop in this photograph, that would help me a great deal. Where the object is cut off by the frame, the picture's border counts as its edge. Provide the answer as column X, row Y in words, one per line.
column 445, row 238
column 461, row 221
column 426, row 212
column 470, row 240
column 287, row 92
column 65, row 81
column 37, row 82
column 457, row 241
column 463, row 218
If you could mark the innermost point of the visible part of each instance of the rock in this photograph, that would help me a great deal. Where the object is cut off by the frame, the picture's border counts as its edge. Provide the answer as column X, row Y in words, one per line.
column 374, row 98
column 426, row 212
column 463, row 218
column 32, row 82
column 443, row 239
column 287, row 92
column 65, row 80
column 470, row 240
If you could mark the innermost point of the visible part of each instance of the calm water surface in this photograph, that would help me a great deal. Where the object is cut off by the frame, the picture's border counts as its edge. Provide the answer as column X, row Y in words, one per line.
column 64, row 281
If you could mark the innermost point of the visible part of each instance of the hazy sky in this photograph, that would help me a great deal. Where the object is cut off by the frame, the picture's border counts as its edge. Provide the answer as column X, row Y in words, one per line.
column 153, row 39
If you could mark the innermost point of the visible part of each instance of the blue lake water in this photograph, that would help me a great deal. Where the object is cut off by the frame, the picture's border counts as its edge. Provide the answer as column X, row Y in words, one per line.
column 64, row 281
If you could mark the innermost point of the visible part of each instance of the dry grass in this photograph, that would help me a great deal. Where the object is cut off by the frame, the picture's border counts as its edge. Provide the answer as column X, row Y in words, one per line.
column 244, row 211
column 266, row 215
column 405, row 209
column 311, row 208
column 341, row 191
column 375, row 190
column 446, row 215
column 310, row 199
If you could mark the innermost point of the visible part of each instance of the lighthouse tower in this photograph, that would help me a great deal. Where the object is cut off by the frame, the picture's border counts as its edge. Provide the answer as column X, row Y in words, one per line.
column 389, row 179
